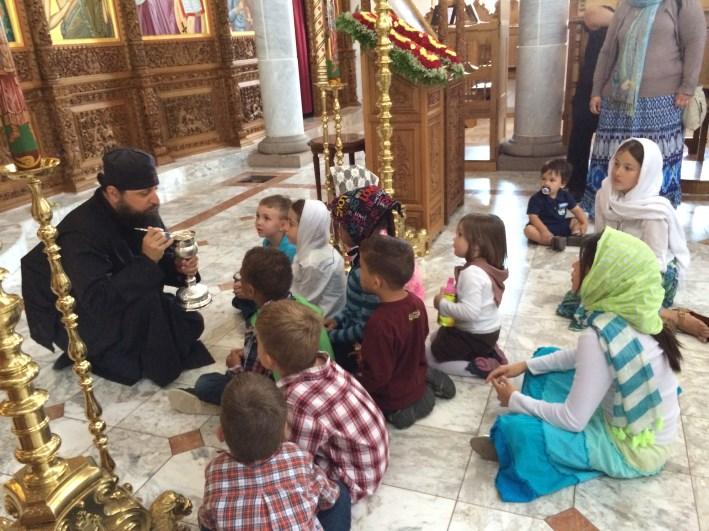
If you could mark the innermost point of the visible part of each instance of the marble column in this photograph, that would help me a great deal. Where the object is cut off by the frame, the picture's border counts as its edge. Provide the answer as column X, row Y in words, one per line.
column 278, row 76
column 539, row 91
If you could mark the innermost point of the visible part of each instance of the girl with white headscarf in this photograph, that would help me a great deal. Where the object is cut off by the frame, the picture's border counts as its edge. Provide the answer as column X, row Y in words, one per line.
column 318, row 269
column 629, row 200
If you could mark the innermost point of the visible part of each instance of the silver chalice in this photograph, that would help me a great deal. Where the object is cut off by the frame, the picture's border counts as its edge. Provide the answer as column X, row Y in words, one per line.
column 193, row 296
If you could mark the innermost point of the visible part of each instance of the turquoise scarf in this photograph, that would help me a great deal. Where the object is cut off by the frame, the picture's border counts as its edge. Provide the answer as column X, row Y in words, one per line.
column 628, row 71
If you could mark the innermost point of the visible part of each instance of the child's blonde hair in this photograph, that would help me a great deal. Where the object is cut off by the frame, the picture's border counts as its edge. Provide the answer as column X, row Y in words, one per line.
column 290, row 334
column 277, row 202
column 486, row 237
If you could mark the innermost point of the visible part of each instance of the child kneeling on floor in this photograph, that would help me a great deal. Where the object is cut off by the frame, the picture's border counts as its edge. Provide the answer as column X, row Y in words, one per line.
column 261, row 466
column 266, row 276
column 329, row 412
column 393, row 364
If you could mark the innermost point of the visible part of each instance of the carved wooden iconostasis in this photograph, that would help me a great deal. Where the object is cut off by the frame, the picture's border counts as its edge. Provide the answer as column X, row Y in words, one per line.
column 93, row 80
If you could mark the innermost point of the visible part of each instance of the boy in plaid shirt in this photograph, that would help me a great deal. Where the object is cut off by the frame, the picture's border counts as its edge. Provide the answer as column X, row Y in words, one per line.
column 329, row 412
column 263, row 482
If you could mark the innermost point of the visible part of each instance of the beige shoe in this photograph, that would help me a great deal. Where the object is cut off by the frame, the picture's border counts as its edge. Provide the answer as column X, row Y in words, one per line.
column 185, row 402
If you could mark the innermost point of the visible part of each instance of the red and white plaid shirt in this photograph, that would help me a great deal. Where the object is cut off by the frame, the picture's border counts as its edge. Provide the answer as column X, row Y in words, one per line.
column 334, row 418
column 283, row 492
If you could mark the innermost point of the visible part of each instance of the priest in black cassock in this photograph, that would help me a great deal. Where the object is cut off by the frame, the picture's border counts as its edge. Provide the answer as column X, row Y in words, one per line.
column 132, row 329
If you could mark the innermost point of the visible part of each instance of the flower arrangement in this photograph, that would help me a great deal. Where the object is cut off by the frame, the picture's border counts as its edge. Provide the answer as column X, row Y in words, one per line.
column 415, row 55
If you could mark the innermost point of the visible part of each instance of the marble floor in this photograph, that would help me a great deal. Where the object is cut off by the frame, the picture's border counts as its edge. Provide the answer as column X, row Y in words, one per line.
column 434, row 481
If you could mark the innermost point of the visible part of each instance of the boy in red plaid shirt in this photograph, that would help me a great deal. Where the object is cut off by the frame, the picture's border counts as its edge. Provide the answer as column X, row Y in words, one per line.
column 263, row 482
column 329, row 412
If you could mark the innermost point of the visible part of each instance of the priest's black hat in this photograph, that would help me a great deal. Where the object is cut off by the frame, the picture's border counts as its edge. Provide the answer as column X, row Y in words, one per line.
column 128, row 169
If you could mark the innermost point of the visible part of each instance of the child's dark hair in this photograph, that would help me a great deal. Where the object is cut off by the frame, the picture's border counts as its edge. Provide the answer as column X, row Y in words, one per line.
column 297, row 207
column 559, row 166
column 253, row 417
column 268, row 271
column 635, row 148
column 666, row 337
column 278, row 202
column 290, row 334
column 485, row 233
column 385, row 223
column 390, row 258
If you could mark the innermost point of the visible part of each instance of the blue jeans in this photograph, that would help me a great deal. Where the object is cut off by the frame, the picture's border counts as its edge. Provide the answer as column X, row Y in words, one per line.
column 339, row 516
column 209, row 387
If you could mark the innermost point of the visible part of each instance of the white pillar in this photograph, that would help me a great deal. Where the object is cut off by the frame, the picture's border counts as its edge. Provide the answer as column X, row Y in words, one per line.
column 540, row 80
column 278, row 76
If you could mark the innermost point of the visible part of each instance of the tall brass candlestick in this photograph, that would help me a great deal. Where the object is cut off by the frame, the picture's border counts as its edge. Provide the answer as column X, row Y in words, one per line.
column 335, row 87
column 322, row 85
column 384, row 129
column 61, row 287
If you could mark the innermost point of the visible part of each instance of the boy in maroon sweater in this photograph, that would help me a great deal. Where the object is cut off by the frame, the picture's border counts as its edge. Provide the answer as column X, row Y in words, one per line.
column 393, row 366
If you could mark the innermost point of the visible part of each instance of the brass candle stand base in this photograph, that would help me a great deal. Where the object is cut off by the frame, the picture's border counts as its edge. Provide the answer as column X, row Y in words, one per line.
column 49, row 492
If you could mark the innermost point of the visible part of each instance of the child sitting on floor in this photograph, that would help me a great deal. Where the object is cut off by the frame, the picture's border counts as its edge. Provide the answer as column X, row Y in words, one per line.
column 318, row 269
column 548, row 224
column 393, row 366
column 357, row 215
column 261, row 466
column 271, row 225
column 470, row 346
column 629, row 200
column 266, row 276
column 329, row 412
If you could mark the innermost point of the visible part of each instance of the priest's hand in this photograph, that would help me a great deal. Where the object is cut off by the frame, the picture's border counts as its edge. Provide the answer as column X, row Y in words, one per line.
column 187, row 266
column 154, row 243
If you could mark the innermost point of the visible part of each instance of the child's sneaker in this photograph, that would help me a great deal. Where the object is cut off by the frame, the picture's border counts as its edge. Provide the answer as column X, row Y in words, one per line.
column 558, row 243
column 185, row 401
column 440, row 383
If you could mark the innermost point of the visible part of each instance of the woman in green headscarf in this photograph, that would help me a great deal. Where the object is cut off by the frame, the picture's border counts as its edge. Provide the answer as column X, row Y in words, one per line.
column 610, row 405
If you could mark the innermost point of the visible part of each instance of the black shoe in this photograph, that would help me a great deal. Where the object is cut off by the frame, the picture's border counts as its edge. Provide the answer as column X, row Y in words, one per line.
column 440, row 383
column 62, row 362
column 574, row 241
column 558, row 243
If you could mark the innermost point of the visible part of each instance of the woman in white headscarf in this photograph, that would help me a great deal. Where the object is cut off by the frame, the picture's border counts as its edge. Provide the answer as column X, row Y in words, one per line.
column 318, row 269
column 629, row 200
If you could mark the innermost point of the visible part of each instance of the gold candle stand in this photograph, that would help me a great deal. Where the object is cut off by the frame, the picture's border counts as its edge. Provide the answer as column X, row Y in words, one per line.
column 417, row 239
column 49, row 492
column 335, row 86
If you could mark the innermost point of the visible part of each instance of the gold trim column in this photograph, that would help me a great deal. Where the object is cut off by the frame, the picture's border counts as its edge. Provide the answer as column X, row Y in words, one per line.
column 384, row 130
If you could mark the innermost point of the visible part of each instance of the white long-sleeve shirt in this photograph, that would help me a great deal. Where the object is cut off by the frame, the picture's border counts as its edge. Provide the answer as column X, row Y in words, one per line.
column 475, row 310
column 594, row 386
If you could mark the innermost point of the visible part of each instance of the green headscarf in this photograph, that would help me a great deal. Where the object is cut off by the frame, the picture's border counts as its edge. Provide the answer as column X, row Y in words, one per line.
column 625, row 279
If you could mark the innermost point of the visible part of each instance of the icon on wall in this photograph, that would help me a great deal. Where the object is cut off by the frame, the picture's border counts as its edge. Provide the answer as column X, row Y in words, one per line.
column 240, row 18
column 81, row 21
column 172, row 18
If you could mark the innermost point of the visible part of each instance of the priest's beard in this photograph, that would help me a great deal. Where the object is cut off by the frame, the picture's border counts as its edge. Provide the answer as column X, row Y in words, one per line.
column 136, row 218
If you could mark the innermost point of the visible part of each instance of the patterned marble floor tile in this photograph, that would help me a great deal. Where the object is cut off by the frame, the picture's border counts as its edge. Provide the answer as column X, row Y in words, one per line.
column 183, row 473
column 463, row 413
column 209, row 435
column 529, row 333
column 156, row 417
column 138, row 456
column 694, row 381
column 62, row 385
column 665, row 501
column 117, row 401
column 535, row 302
column 548, row 280
column 75, row 435
column 696, row 429
column 677, row 460
column 701, row 497
column 427, row 460
column 545, row 258
column 467, row 517
column 479, row 489
column 394, row 509
column 4, row 478
column 8, row 443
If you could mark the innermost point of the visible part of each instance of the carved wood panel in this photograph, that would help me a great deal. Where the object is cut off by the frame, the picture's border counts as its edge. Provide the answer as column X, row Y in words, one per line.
column 170, row 97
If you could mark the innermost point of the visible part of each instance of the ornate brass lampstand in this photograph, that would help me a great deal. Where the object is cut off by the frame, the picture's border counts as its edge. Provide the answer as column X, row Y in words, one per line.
column 323, row 87
column 418, row 239
column 50, row 492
